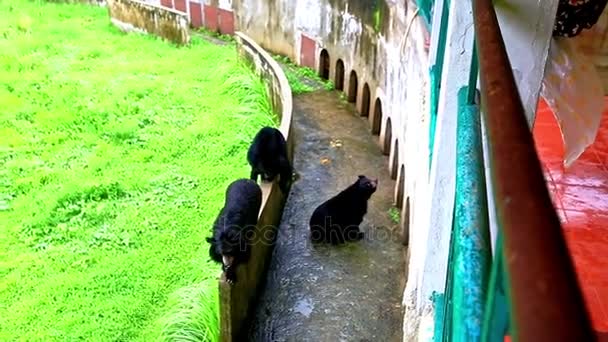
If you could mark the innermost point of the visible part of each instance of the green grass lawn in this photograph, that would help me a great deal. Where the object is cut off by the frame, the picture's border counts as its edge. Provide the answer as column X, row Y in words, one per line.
column 115, row 152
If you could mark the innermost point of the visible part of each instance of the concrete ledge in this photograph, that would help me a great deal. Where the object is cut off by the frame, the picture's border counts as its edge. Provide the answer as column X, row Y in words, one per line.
column 134, row 15
column 238, row 300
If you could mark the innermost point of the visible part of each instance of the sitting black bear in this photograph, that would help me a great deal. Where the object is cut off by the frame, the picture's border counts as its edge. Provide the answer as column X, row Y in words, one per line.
column 234, row 226
column 337, row 220
column 267, row 156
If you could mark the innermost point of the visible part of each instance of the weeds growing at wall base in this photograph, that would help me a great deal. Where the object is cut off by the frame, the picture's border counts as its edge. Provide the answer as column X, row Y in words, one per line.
column 116, row 151
column 302, row 79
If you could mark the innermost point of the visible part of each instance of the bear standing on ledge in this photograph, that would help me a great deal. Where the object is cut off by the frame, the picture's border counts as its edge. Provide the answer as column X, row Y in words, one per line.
column 235, row 225
column 267, row 156
column 337, row 220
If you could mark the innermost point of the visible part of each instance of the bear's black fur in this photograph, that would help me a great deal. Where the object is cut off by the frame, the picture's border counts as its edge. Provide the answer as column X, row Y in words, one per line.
column 267, row 156
column 337, row 220
column 233, row 228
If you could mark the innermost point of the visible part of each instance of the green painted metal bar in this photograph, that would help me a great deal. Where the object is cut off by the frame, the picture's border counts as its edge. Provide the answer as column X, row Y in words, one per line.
column 426, row 7
column 496, row 315
column 448, row 305
column 472, row 249
column 434, row 101
column 439, row 304
column 473, row 74
column 436, row 73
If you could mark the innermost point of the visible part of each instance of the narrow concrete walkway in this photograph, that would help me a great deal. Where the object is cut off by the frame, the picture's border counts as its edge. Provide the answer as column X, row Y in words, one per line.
column 326, row 293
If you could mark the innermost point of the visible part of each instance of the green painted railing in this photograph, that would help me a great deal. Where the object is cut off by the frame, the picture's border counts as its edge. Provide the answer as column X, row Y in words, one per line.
column 529, row 290
column 426, row 9
column 437, row 71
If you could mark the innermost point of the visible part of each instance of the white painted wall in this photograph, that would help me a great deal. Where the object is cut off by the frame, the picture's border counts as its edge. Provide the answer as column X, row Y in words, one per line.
column 433, row 247
column 526, row 28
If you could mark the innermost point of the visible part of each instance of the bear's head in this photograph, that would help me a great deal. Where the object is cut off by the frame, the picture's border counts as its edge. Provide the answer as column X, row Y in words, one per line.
column 366, row 185
column 228, row 245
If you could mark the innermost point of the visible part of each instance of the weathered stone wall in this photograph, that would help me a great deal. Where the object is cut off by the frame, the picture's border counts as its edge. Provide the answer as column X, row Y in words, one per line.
column 237, row 300
column 133, row 15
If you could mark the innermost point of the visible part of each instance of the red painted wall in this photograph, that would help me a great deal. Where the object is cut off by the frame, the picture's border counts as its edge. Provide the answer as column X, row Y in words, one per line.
column 166, row 3
column 226, row 21
column 180, row 5
column 308, row 52
column 196, row 14
column 210, row 17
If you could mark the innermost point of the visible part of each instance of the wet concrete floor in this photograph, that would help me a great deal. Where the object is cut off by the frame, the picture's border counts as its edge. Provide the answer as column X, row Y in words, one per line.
column 333, row 293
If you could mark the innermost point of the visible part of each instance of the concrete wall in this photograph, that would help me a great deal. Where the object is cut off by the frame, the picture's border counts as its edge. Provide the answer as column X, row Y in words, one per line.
column 133, row 15
column 236, row 301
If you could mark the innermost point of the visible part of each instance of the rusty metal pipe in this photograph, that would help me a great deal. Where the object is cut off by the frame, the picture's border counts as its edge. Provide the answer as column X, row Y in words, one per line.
column 545, row 300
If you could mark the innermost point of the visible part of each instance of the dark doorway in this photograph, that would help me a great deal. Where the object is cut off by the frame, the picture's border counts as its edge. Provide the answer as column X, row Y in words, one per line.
column 377, row 117
column 365, row 101
column 339, row 83
column 405, row 224
column 324, row 65
column 388, row 136
column 400, row 188
column 352, row 87
column 395, row 161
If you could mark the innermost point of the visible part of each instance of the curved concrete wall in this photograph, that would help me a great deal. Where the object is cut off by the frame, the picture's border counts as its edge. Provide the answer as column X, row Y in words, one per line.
column 237, row 300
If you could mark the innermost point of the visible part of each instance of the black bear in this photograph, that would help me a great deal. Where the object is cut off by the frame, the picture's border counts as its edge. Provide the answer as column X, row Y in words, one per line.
column 337, row 220
column 267, row 156
column 234, row 226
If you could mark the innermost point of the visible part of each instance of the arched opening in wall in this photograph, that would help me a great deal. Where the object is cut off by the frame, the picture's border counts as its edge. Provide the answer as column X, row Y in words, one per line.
column 388, row 137
column 324, row 65
column 339, row 81
column 394, row 161
column 365, row 101
column 377, row 117
column 353, row 85
column 405, row 223
column 400, row 188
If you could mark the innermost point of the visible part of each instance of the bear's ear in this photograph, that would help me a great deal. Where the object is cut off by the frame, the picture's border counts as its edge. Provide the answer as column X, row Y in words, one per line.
column 361, row 176
column 210, row 240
